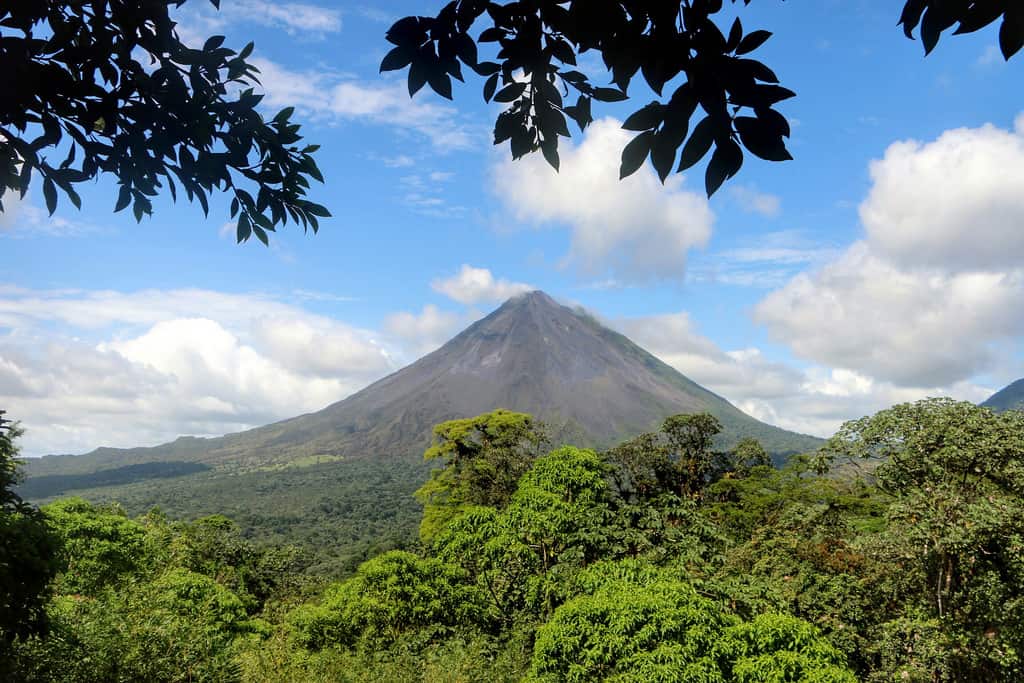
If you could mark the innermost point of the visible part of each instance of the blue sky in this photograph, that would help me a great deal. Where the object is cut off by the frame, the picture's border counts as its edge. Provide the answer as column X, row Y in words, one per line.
column 880, row 265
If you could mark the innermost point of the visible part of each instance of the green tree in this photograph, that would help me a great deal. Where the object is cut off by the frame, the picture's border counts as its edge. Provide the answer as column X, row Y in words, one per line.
column 28, row 551
column 390, row 595
column 690, row 440
column 180, row 627
column 109, row 85
column 100, row 546
column 657, row 629
column 708, row 69
column 955, row 530
column 482, row 459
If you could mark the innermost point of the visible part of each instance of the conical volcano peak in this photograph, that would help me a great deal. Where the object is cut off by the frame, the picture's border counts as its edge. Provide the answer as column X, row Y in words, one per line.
column 535, row 299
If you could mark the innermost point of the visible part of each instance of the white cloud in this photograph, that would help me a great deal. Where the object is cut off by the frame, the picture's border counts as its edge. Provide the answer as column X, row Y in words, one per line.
column 22, row 218
column 769, row 260
column 814, row 400
column 932, row 296
column 399, row 161
column 956, row 202
column 424, row 194
column 738, row 374
column 752, row 200
column 425, row 331
column 635, row 229
column 83, row 369
column 335, row 98
column 911, row 327
column 292, row 16
column 825, row 398
column 477, row 285
column 12, row 203
column 990, row 56
column 196, row 23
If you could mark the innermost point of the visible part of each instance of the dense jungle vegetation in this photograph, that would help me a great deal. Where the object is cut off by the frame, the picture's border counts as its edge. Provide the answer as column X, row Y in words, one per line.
column 896, row 552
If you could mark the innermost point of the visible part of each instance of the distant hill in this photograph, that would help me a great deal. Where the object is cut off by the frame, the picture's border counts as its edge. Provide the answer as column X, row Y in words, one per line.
column 593, row 385
column 1007, row 398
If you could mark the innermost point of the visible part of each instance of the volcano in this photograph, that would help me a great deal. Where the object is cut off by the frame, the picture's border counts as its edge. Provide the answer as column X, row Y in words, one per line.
column 591, row 384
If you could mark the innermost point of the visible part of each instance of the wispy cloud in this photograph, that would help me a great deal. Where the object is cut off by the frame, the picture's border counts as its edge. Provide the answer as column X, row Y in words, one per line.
column 768, row 262
column 752, row 200
column 336, row 98
column 424, row 194
column 22, row 218
column 197, row 21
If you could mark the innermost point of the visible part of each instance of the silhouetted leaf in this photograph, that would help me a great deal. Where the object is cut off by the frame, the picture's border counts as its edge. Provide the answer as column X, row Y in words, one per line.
column 648, row 116
column 510, row 92
column 417, row 77
column 491, row 35
column 550, row 153
column 724, row 164
column 634, row 153
column 441, row 83
column 50, row 195
column 752, row 41
column 124, row 198
column 397, row 58
column 911, row 16
column 936, row 19
column 758, row 136
column 489, row 86
column 663, row 152
column 1011, row 31
column 735, row 34
column 487, row 68
column 243, row 229
column 609, row 95
column 698, row 144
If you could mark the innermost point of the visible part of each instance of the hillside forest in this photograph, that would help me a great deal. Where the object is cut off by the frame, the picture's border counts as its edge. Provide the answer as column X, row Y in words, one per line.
column 893, row 553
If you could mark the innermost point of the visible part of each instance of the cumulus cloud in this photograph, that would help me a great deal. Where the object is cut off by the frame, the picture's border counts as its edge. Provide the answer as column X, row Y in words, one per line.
column 425, row 331
column 83, row 369
column 827, row 397
column 335, row 98
column 812, row 400
column 737, row 374
column 635, row 229
column 931, row 296
column 956, row 202
column 912, row 327
column 477, row 285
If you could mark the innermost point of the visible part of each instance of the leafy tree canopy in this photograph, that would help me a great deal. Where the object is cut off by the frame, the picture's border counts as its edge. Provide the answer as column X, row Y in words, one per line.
column 108, row 87
column 28, row 550
column 483, row 458
column 701, row 71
